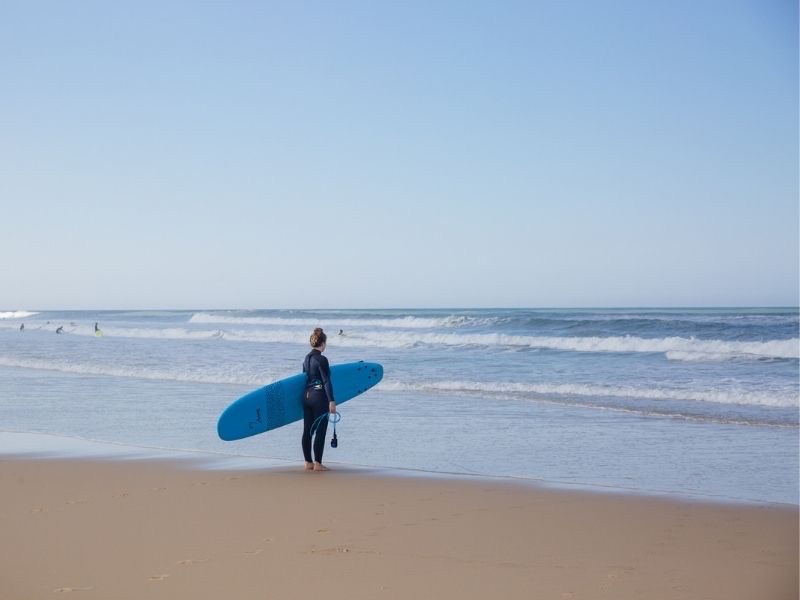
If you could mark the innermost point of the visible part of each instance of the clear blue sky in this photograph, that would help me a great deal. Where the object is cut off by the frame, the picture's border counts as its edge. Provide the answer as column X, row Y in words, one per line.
column 398, row 154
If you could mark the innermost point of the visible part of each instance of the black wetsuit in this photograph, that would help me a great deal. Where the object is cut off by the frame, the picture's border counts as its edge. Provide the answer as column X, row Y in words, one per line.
column 317, row 395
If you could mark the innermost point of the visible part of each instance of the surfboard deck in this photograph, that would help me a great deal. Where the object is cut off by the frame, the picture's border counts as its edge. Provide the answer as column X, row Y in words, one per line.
column 281, row 402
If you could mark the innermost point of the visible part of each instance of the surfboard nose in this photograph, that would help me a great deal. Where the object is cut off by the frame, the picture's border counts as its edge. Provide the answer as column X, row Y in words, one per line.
column 377, row 371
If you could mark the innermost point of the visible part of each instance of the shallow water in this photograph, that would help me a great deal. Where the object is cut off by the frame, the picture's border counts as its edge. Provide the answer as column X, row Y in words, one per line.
column 694, row 402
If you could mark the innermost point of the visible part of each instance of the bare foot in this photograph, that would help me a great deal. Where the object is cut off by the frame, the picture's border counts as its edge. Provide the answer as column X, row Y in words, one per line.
column 320, row 467
column 309, row 466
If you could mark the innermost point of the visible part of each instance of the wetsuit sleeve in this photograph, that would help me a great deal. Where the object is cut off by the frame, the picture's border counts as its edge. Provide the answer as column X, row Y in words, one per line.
column 325, row 375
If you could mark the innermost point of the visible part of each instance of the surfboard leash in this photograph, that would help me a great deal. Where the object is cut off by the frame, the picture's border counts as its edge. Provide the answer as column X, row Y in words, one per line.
column 333, row 418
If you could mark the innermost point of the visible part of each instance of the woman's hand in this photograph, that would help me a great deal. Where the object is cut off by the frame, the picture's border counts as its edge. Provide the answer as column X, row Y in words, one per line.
column 332, row 407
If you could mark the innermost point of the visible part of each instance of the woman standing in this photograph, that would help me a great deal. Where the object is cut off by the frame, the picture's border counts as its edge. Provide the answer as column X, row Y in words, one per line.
column 318, row 400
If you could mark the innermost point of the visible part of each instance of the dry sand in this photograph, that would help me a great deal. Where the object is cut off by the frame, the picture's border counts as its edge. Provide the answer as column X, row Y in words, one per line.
column 138, row 530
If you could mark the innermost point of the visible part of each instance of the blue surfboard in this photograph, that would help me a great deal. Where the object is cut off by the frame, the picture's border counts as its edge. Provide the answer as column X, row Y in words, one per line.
column 281, row 403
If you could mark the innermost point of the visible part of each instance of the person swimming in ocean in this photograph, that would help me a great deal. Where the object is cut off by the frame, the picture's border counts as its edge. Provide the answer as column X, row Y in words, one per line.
column 22, row 327
column 341, row 332
column 60, row 329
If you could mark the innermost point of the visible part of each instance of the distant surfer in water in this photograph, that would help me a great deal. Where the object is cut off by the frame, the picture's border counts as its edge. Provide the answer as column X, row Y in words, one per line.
column 22, row 327
column 97, row 331
column 341, row 332
column 60, row 329
column 318, row 400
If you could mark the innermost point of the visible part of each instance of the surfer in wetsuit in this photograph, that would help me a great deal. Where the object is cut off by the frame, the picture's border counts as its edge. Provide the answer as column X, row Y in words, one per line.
column 317, row 400
column 60, row 329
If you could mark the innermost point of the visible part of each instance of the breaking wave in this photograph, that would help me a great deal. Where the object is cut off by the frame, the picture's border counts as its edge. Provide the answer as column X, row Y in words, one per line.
column 199, row 375
column 17, row 314
column 253, row 378
column 408, row 322
column 674, row 348
column 737, row 397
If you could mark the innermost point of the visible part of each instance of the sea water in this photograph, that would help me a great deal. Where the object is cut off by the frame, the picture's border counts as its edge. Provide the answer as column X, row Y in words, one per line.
column 694, row 402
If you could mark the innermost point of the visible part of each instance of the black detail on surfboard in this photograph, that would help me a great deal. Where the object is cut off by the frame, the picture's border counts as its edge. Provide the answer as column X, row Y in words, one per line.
column 274, row 403
column 252, row 424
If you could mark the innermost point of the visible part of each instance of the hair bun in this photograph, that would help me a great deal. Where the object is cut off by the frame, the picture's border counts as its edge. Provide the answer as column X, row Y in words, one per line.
column 318, row 337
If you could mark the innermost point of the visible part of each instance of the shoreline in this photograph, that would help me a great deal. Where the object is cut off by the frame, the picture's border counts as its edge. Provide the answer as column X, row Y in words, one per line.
column 152, row 528
column 82, row 449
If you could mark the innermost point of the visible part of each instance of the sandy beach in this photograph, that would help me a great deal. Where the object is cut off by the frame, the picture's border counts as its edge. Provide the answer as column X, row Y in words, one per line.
column 138, row 529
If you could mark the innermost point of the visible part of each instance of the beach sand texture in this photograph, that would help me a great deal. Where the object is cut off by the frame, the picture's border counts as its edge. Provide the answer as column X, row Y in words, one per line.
column 138, row 529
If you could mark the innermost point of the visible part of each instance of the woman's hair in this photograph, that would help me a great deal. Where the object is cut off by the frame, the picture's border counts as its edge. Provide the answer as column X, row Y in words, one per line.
column 318, row 338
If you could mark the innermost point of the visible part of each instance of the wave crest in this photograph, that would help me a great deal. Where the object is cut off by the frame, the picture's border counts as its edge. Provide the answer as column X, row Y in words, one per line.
column 539, row 391
column 17, row 314
column 722, row 350
column 184, row 375
column 674, row 348
column 739, row 397
column 408, row 322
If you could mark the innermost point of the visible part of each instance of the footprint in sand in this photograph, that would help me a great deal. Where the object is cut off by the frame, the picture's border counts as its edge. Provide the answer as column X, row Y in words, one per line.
column 329, row 551
column 619, row 572
column 158, row 577
column 252, row 552
column 39, row 509
column 62, row 590
column 78, row 501
column 190, row 561
column 323, row 530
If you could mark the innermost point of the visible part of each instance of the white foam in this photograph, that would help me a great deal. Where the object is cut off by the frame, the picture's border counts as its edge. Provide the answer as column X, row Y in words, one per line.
column 248, row 378
column 729, row 349
column 716, row 356
column 675, row 348
column 717, row 349
column 184, row 375
column 168, row 333
column 409, row 322
column 17, row 314
column 741, row 397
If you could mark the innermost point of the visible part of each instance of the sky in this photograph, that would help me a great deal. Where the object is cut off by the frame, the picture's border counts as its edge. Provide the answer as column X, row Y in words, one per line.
column 398, row 154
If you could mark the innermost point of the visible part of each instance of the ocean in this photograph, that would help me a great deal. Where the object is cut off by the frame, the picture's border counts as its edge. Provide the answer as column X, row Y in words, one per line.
column 700, row 403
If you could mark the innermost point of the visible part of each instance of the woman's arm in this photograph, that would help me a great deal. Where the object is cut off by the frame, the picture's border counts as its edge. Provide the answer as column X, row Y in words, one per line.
column 325, row 374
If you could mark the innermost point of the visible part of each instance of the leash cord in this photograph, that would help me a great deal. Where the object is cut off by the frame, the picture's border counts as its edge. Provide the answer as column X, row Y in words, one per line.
column 332, row 417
